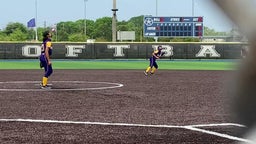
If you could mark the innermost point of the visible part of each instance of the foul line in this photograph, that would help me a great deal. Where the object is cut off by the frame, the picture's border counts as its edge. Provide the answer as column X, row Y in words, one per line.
column 218, row 134
column 115, row 85
column 189, row 127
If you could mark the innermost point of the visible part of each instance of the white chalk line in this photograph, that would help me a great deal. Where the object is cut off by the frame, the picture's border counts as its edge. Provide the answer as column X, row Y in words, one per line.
column 218, row 134
column 114, row 85
column 189, row 127
column 214, row 125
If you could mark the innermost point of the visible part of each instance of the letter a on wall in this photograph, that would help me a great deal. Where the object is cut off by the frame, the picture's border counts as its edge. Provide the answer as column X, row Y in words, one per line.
column 208, row 50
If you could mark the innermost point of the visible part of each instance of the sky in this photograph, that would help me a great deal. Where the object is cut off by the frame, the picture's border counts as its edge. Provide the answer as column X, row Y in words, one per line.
column 50, row 12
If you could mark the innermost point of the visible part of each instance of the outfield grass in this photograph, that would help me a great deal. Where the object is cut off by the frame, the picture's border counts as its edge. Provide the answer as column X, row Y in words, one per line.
column 123, row 64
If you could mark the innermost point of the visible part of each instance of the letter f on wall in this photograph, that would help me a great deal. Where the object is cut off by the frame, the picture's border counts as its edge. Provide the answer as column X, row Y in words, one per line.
column 73, row 50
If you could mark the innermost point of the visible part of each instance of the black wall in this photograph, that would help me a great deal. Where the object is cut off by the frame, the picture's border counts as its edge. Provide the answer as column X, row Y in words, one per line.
column 123, row 50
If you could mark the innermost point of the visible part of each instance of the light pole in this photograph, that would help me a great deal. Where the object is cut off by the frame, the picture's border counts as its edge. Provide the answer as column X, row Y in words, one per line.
column 156, row 38
column 36, row 20
column 114, row 21
column 85, row 17
column 193, row 8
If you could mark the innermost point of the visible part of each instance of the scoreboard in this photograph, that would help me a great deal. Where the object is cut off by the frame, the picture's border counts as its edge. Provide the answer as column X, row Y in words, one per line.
column 173, row 26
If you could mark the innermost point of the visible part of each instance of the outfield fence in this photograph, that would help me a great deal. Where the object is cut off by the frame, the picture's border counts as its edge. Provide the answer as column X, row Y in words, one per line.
column 124, row 50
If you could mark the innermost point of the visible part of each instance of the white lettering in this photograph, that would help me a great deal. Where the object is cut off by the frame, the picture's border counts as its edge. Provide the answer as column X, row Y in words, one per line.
column 150, row 34
column 73, row 50
column 208, row 49
column 151, row 28
column 31, row 50
column 186, row 19
column 157, row 19
column 119, row 49
column 195, row 19
column 198, row 24
column 175, row 19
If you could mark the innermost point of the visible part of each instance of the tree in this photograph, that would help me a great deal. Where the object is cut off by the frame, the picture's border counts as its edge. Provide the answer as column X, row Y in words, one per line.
column 122, row 26
column 212, row 32
column 3, row 36
column 103, row 28
column 90, row 28
column 18, row 35
column 63, row 29
column 77, row 37
column 40, row 32
column 12, row 27
column 136, row 24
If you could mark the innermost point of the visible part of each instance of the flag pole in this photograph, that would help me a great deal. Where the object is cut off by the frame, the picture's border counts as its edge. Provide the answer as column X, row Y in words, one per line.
column 85, row 17
column 36, row 20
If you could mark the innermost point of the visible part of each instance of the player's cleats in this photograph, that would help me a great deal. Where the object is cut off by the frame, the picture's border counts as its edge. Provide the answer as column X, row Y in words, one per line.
column 145, row 73
column 49, row 85
column 46, row 87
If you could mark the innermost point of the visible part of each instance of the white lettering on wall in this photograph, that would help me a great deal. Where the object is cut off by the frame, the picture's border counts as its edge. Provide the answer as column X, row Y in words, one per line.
column 207, row 49
column 119, row 49
column 167, row 50
column 31, row 50
column 74, row 50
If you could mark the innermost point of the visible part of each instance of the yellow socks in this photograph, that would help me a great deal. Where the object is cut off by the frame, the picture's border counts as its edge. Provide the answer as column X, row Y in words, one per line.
column 148, row 69
column 153, row 70
column 45, row 81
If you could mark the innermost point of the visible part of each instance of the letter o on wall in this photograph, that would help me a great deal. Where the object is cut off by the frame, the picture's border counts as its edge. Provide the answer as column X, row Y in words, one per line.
column 31, row 50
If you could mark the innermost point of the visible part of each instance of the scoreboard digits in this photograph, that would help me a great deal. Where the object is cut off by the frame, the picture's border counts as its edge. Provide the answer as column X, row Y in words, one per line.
column 173, row 26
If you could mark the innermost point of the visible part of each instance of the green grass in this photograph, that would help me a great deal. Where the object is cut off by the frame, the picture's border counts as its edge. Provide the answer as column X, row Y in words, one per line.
column 123, row 64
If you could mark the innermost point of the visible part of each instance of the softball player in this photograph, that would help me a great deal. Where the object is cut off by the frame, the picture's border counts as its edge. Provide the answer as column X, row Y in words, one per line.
column 152, row 61
column 45, row 61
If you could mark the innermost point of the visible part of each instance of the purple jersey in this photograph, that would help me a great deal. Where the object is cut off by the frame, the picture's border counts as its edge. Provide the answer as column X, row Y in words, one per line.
column 47, row 43
column 157, row 53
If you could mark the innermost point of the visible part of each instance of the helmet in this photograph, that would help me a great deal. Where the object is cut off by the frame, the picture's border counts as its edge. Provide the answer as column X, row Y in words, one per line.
column 159, row 47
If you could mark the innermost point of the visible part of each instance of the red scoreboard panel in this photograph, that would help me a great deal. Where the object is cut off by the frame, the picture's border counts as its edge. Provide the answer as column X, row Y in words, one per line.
column 173, row 26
